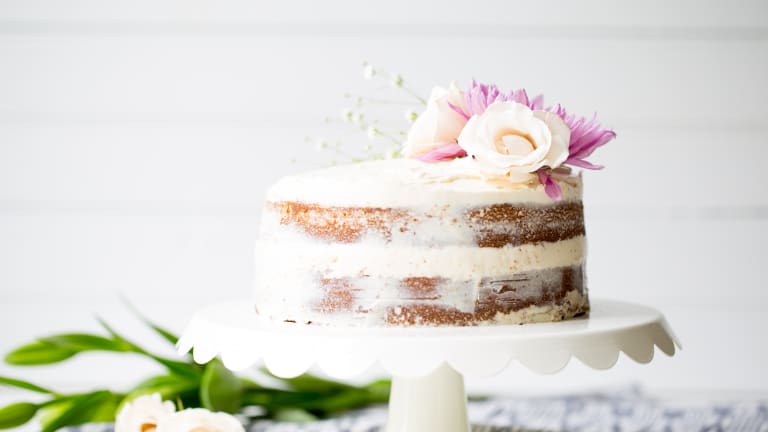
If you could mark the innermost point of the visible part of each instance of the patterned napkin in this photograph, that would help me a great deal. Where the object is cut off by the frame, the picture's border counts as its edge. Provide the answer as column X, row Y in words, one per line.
column 613, row 411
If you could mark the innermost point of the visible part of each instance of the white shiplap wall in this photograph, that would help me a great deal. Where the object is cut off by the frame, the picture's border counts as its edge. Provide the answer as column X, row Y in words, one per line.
column 137, row 140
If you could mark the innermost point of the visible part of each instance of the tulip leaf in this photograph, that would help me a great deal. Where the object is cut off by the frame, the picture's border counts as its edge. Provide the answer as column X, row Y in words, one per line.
column 77, row 410
column 184, row 369
column 293, row 415
column 24, row 385
column 220, row 389
column 38, row 353
column 170, row 387
column 315, row 384
column 165, row 334
column 85, row 342
column 17, row 414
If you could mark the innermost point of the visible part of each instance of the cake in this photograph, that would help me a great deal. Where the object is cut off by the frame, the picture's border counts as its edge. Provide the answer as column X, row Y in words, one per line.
column 481, row 222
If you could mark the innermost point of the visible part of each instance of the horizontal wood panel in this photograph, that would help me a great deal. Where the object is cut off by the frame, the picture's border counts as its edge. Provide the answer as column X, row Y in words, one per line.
column 291, row 80
column 187, row 169
column 681, row 13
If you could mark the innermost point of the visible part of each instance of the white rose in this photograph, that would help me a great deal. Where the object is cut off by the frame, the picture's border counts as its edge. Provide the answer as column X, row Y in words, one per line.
column 143, row 414
column 439, row 124
column 199, row 420
column 510, row 139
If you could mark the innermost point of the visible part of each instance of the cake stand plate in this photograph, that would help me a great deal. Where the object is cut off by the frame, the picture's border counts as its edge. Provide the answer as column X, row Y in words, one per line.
column 427, row 363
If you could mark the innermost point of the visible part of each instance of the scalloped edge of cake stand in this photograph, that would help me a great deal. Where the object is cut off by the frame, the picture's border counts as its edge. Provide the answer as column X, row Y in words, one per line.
column 428, row 364
column 234, row 331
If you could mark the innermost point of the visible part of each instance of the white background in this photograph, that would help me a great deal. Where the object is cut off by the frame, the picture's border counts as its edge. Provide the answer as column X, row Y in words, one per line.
column 137, row 140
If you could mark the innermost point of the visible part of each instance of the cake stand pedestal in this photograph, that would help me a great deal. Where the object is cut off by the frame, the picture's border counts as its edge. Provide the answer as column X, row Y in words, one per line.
column 428, row 364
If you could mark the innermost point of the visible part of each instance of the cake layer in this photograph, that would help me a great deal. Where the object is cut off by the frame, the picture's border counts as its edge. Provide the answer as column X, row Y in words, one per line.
column 285, row 259
column 495, row 226
column 403, row 243
column 552, row 293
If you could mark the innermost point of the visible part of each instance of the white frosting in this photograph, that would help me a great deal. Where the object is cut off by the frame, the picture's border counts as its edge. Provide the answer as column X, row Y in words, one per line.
column 435, row 240
column 400, row 261
column 407, row 183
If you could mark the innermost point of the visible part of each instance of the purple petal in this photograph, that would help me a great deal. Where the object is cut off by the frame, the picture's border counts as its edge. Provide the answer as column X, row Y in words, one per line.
column 581, row 163
column 459, row 111
column 479, row 96
column 444, row 152
column 550, row 185
column 537, row 103
column 586, row 136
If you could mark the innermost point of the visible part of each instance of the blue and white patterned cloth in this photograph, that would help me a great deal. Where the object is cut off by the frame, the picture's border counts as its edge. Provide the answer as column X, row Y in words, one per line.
column 614, row 411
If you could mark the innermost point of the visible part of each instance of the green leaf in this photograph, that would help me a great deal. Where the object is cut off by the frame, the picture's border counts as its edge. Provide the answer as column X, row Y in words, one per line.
column 293, row 415
column 85, row 342
column 220, row 389
column 38, row 353
column 165, row 334
column 276, row 399
column 107, row 409
column 75, row 411
column 170, row 387
column 185, row 369
column 378, row 391
column 341, row 401
column 17, row 414
column 25, row 385
column 117, row 337
column 315, row 384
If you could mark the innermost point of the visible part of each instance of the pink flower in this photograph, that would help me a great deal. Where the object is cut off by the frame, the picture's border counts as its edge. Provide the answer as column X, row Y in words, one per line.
column 586, row 136
column 434, row 133
column 480, row 96
column 451, row 119
column 445, row 152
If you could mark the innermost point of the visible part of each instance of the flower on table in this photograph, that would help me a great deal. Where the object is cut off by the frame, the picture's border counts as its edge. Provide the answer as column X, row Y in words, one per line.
column 149, row 413
column 143, row 414
column 508, row 134
column 200, row 420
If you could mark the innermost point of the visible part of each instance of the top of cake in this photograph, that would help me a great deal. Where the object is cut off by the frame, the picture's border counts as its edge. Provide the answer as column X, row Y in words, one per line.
column 410, row 182
column 470, row 145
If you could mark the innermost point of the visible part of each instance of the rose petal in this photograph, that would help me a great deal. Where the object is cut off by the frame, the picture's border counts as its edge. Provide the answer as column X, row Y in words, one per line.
column 444, row 152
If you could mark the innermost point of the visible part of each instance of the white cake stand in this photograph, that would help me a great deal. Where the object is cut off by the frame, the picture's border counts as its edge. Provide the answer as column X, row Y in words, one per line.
column 428, row 364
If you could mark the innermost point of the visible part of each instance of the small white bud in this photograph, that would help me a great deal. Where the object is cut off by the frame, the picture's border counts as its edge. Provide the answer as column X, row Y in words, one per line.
column 397, row 81
column 346, row 115
column 357, row 118
column 368, row 72
column 372, row 132
column 321, row 145
column 411, row 116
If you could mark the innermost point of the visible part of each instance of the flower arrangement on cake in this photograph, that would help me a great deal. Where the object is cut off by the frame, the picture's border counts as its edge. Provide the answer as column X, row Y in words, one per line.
column 509, row 136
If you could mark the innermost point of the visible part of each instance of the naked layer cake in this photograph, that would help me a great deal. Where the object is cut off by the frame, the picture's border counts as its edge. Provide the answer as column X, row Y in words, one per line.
column 480, row 223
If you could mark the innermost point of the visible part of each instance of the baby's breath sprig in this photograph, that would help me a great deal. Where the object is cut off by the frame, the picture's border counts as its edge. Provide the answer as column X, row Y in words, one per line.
column 380, row 141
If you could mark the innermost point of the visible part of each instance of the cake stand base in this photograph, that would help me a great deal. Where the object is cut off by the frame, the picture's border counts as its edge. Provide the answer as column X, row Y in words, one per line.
column 428, row 364
column 435, row 402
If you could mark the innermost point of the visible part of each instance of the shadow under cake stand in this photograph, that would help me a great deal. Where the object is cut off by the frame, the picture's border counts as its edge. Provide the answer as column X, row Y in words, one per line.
column 428, row 364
